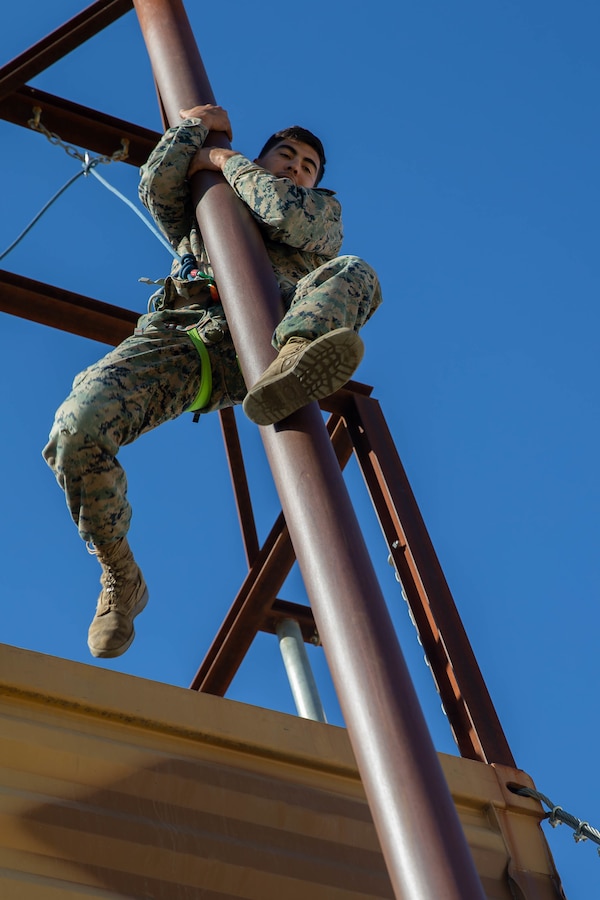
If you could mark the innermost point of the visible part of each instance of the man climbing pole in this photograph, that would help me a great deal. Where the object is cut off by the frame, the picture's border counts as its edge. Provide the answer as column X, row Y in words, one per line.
column 181, row 357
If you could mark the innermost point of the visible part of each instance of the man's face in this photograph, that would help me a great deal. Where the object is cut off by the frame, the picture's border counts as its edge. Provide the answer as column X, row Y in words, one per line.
column 292, row 159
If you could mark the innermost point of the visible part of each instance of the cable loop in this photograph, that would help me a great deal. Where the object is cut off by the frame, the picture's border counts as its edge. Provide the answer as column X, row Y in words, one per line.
column 578, row 835
column 553, row 817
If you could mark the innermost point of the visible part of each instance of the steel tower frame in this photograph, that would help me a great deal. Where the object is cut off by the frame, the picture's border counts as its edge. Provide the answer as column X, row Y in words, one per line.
column 356, row 423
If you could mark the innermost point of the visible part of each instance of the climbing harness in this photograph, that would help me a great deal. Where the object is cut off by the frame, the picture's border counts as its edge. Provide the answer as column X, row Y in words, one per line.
column 205, row 390
column 189, row 271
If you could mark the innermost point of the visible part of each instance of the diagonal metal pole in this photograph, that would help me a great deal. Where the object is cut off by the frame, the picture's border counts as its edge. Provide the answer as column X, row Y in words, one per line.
column 420, row 834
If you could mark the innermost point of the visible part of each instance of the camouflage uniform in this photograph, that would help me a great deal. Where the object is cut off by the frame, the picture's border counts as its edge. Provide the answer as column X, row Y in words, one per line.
column 155, row 374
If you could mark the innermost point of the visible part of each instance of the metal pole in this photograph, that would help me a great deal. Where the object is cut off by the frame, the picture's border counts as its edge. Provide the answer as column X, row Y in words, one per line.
column 299, row 673
column 420, row 833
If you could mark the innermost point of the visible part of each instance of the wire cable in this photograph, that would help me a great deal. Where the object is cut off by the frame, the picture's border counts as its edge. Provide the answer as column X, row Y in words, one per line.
column 138, row 213
column 41, row 213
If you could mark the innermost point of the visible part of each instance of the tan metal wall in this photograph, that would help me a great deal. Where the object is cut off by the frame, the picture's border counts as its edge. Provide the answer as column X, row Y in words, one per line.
column 114, row 786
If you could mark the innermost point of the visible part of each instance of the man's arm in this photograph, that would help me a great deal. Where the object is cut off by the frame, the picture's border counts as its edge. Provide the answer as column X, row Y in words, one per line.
column 211, row 158
column 302, row 218
column 164, row 189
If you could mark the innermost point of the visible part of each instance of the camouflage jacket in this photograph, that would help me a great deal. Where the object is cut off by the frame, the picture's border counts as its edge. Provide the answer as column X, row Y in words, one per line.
column 301, row 227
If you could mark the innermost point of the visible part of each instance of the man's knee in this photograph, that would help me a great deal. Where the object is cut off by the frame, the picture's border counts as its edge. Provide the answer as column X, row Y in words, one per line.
column 75, row 423
column 64, row 448
column 77, row 434
column 362, row 283
column 355, row 263
column 358, row 271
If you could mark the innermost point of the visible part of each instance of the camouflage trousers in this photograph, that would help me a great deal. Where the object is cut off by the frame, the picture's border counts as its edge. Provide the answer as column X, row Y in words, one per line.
column 342, row 293
column 154, row 376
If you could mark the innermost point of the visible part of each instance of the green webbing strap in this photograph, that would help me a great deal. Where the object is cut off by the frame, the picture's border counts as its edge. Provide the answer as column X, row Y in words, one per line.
column 205, row 389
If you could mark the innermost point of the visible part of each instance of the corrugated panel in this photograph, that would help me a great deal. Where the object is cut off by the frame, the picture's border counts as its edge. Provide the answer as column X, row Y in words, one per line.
column 113, row 786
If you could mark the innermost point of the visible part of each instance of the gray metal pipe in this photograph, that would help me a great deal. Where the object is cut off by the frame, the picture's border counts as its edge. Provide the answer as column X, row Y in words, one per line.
column 420, row 834
column 299, row 671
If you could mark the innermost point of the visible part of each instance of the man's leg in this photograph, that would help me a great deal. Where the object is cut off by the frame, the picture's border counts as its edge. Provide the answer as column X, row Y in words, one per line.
column 147, row 380
column 342, row 293
column 317, row 339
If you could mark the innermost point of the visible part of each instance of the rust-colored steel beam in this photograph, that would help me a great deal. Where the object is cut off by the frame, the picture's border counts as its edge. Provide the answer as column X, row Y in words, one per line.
column 463, row 691
column 237, row 468
column 48, row 305
column 337, row 403
column 421, row 836
column 282, row 609
column 78, row 124
column 60, row 42
column 254, row 600
column 253, row 606
column 241, row 491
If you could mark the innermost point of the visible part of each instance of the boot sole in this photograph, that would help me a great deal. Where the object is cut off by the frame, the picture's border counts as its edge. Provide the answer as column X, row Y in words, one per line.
column 100, row 653
column 322, row 369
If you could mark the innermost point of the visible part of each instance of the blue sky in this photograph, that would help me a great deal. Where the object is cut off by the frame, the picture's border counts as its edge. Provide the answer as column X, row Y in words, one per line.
column 463, row 143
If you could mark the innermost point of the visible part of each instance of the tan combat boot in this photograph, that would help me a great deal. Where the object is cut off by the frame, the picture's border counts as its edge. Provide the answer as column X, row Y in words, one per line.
column 303, row 371
column 124, row 594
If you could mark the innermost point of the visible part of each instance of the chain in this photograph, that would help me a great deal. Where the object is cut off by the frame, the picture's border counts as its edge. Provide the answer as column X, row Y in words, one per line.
column 118, row 156
column 88, row 163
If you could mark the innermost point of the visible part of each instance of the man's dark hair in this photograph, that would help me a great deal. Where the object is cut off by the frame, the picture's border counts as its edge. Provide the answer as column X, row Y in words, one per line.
column 297, row 133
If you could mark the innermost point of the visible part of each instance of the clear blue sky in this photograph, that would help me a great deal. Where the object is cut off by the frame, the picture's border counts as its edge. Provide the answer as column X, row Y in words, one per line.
column 463, row 142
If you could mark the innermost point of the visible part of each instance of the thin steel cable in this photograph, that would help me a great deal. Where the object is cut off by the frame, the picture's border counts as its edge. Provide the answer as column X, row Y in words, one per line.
column 138, row 213
column 41, row 213
column 88, row 164
column 89, row 167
